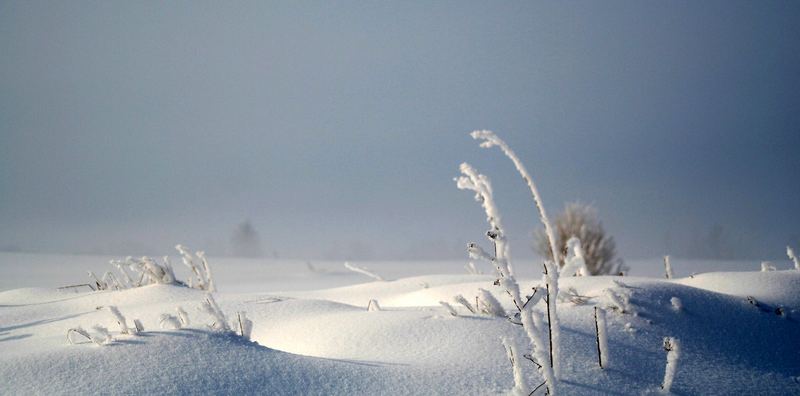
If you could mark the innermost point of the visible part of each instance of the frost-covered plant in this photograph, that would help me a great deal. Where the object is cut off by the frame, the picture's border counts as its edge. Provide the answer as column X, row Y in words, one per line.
column 472, row 270
column 581, row 221
column 793, row 257
column 210, row 307
column 490, row 139
column 520, row 384
column 169, row 322
column 373, row 306
column 667, row 268
column 481, row 186
column 183, row 316
column 123, row 325
column 363, row 271
column 575, row 264
column 672, row 346
column 488, row 305
column 103, row 338
column 137, row 272
column 573, row 296
column 449, row 308
column 677, row 304
column 767, row 266
column 244, row 326
column 459, row 299
column 602, row 338
column 201, row 272
column 103, row 334
column 619, row 301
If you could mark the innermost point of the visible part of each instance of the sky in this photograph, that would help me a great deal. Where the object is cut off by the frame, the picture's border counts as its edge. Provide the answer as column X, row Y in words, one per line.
column 336, row 127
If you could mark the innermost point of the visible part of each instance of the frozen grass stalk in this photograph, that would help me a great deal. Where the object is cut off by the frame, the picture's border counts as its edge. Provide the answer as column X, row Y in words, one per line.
column 245, row 326
column 672, row 347
column 602, row 338
column 373, row 306
column 488, row 305
column 793, row 257
column 667, row 268
column 363, row 271
column 520, row 385
column 459, row 299
column 210, row 307
column 449, row 308
column 123, row 326
column 482, row 187
column 491, row 139
column 575, row 264
column 169, row 322
column 183, row 316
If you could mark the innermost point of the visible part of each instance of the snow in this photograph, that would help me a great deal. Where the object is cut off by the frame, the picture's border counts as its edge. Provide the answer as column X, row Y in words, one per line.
column 313, row 334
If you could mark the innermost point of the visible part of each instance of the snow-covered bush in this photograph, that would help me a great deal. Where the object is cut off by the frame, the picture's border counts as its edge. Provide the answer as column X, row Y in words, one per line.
column 767, row 266
column 580, row 221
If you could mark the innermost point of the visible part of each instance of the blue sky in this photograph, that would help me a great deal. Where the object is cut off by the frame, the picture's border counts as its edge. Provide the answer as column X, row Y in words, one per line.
column 336, row 127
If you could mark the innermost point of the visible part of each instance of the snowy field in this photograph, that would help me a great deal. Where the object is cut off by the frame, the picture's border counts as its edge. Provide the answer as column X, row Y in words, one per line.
column 314, row 334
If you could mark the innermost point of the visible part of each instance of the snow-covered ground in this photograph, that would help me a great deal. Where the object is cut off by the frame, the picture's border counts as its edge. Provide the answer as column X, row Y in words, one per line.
column 313, row 333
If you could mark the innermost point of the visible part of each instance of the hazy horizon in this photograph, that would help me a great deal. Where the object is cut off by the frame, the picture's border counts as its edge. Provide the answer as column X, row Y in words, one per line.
column 336, row 129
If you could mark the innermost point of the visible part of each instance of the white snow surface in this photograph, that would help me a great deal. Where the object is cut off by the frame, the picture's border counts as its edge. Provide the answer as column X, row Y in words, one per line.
column 312, row 333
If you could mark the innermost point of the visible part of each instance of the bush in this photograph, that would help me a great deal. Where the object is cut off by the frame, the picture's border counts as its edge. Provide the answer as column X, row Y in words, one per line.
column 580, row 221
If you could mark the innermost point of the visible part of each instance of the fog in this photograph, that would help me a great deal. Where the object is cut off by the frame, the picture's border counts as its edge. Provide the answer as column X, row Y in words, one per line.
column 335, row 128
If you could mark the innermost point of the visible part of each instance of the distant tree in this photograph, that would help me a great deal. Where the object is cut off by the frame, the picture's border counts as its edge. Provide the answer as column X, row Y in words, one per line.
column 580, row 221
column 246, row 241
